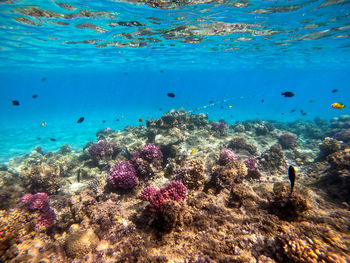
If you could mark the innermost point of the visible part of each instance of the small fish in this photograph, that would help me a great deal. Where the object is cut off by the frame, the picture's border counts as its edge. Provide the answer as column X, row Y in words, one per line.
column 282, row 113
column 34, row 96
column 38, row 138
column 123, row 117
column 303, row 112
column 161, row 71
column 117, row 120
column 15, row 103
column 291, row 175
column 193, row 150
column 171, row 95
column 222, row 107
column 81, row 119
column 230, row 107
column 288, row 94
column 211, row 102
column 43, row 124
column 160, row 109
column 262, row 101
column 338, row 105
column 140, row 120
column 335, row 90
column 292, row 110
column 103, row 121
column 52, row 139
column 43, row 79
column 311, row 101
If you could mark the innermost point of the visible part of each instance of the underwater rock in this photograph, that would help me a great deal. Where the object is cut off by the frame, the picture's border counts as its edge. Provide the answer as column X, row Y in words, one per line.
column 242, row 195
column 239, row 144
column 287, row 205
column 343, row 122
column 272, row 159
column 228, row 175
column 192, row 175
column 80, row 243
column 343, row 135
column 287, row 140
column 65, row 149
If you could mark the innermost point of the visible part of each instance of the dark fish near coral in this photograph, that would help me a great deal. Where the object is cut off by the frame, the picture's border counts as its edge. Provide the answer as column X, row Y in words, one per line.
column 293, row 110
column 303, row 112
column 34, row 96
column 291, row 175
column 288, row 94
column 171, row 95
column 52, row 139
column 211, row 102
column 81, row 119
column 335, row 90
column 15, row 103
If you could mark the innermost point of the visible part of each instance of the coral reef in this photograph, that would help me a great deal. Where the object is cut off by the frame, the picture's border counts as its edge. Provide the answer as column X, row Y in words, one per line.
column 165, row 194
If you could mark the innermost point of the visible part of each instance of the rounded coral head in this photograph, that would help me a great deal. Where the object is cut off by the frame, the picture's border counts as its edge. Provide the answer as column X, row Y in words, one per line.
column 123, row 175
column 227, row 156
column 151, row 152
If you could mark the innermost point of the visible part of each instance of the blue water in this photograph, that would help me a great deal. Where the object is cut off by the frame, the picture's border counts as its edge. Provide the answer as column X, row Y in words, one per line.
column 304, row 48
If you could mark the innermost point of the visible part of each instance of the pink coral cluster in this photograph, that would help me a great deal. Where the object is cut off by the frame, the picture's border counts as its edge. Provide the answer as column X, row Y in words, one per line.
column 151, row 153
column 175, row 191
column 100, row 149
column 123, row 175
column 40, row 202
column 251, row 164
column 227, row 156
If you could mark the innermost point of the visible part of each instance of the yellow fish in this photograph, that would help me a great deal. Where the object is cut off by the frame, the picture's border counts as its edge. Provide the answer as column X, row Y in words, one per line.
column 230, row 107
column 193, row 150
column 43, row 124
column 338, row 105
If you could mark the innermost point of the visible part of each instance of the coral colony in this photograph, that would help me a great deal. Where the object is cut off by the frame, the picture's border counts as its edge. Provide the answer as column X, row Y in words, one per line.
column 141, row 195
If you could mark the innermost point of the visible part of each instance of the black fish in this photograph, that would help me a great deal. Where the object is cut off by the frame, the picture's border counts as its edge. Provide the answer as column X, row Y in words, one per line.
column 117, row 120
column 161, row 71
column 211, row 102
column 103, row 121
column 34, row 96
column 81, row 119
column 171, row 95
column 288, row 94
column 335, row 90
column 39, row 138
column 15, row 103
column 303, row 112
column 262, row 101
column 160, row 109
column 43, row 79
column 52, row 139
column 293, row 110
column 291, row 175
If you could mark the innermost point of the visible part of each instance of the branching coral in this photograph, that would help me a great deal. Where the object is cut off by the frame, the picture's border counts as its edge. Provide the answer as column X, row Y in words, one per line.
column 123, row 176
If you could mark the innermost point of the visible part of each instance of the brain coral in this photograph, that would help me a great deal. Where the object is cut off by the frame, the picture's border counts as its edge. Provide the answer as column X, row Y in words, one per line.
column 80, row 243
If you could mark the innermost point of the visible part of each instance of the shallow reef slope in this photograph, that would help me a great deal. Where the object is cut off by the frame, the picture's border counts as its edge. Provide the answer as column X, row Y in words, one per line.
column 183, row 189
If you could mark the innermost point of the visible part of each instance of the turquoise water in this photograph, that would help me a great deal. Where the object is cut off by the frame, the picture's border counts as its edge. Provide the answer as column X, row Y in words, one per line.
column 96, row 65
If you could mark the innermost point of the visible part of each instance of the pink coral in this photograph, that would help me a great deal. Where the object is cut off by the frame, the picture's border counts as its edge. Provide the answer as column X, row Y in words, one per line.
column 123, row 175
column 227, row 156
column 151, row 153
column 251, row 164
column 40, row 202
column 175, row 191
column 100, row 149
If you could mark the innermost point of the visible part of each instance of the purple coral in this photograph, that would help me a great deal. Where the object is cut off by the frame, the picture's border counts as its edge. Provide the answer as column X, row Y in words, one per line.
column 100, row 149
column 219, row 126
column 123, row 175
column 175, row 191
column 40, row 202
column 151, row 153
column 251, row 164
column 227, row 156
column 287, row 140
